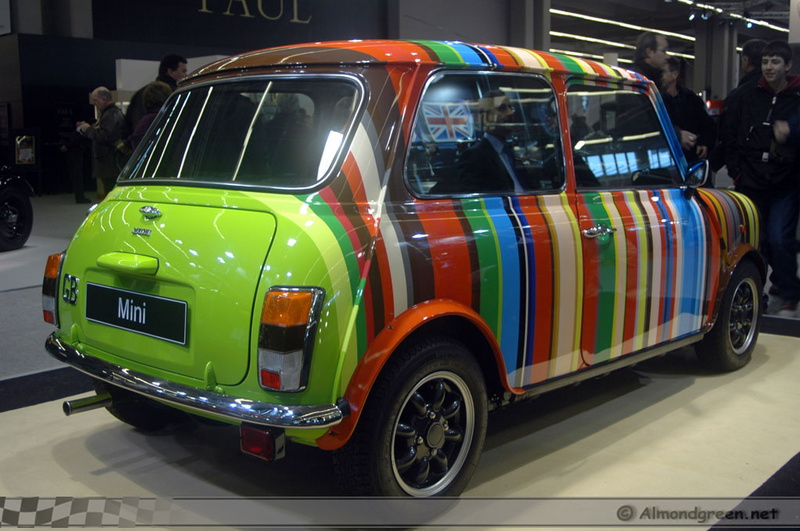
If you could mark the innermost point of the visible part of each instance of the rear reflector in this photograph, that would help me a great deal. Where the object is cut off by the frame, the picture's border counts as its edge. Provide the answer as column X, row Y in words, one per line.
column 270, row 379
column 265, row 443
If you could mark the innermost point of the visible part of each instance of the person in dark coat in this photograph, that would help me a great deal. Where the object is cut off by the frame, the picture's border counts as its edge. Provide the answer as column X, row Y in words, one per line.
column 490, row 166
column 689, row 112
column 750, row 63
column 767, row 171
column 75, row 149
column 650, row 60
column 153, row 97
column 171, row 70
column 104, row 134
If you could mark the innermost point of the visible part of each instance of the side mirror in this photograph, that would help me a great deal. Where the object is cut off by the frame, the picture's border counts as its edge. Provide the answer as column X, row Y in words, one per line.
column 697, row 174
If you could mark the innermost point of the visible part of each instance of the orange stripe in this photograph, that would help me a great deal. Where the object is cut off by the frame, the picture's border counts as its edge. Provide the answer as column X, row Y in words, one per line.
column 631, row 286
column 448, row 252
column 544, row 352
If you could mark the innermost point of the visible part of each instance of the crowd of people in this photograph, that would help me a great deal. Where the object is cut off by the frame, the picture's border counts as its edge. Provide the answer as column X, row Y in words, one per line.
column 757, row 140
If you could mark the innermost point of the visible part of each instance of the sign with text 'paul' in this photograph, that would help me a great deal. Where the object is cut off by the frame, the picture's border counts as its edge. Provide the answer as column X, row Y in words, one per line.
column 238, row 24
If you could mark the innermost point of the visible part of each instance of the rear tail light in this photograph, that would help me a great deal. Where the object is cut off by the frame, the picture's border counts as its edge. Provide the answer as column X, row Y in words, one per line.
column 286, row 337
column 50, row 288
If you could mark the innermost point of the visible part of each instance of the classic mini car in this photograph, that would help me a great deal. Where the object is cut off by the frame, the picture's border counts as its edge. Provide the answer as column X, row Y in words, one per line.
column 367, row 246
column 16, row 211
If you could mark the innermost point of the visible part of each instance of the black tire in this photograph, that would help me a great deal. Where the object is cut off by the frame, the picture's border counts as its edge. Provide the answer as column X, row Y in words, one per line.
column 138, row 411
column 423, row 427
column 730, row 343
column 16, row 218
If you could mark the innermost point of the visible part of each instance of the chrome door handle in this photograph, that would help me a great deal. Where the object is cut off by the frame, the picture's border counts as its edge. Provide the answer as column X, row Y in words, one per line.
column 598, row 230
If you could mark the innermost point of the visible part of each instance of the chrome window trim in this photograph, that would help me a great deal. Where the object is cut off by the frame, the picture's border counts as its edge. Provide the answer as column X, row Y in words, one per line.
column 362, row 90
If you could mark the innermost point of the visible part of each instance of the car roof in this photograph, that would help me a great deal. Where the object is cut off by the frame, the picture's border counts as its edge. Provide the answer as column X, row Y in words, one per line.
column 453, row 54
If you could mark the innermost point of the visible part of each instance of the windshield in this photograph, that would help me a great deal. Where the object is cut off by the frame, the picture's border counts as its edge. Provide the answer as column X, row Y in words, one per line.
column 282, row 133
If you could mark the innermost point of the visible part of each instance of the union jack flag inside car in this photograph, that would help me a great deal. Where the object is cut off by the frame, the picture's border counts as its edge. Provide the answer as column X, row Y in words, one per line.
column 448, row 122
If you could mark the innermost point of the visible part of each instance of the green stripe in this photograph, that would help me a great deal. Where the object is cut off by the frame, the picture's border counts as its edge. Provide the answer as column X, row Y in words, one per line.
column 443, row 51
column 325, row 213
column 361, row 320
column 570, row 63
column 488, row 264
column 607, row 280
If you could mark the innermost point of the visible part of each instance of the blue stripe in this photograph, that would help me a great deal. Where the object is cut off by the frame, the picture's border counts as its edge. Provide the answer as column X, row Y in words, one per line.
column 492, row 57
column 667, row 261
column 702, row 263
column 672, row 137
column 467, row 53
column 693, row 265
column 510, row 275
column 531, row 280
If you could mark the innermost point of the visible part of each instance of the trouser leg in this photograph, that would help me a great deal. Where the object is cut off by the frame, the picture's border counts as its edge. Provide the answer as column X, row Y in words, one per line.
column 781, row 225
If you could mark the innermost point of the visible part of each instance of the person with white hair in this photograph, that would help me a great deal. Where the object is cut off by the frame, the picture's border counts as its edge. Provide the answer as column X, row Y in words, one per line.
column 104, row 134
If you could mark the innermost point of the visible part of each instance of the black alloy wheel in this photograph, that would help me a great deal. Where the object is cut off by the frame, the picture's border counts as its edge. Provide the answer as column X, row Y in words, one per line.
column 422, row 429
column 730, row 343
column 16, row 219
column 433, row 433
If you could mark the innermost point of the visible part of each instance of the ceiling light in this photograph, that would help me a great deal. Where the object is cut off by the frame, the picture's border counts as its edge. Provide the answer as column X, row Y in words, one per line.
column 572, row 36
column 734, row 15
column 621, row 24
column 587, row 55
column 591, row 39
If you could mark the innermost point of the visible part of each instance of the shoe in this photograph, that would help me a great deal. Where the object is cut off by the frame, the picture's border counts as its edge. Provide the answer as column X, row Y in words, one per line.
column 787, row 309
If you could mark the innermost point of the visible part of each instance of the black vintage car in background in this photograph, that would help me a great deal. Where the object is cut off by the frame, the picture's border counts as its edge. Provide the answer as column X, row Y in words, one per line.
column 16, row 211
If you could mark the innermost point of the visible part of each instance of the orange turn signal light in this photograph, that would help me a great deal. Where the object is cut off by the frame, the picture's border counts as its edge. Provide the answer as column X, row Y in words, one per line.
column 287, row 307
column 53, row 264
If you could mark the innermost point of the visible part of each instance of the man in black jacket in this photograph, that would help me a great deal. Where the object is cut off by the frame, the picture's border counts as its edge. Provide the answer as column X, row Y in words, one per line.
column 650, row 60
column 689, row 112
column 171, row 70
column 490, row 166
column 767, row 171
column 750, row 63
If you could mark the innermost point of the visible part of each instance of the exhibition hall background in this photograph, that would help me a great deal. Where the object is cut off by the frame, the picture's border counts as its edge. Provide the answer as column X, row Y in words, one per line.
column 54, row 52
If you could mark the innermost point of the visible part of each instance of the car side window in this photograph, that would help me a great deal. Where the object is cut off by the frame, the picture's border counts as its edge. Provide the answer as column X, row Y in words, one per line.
column 617, row 139
column 487, row 134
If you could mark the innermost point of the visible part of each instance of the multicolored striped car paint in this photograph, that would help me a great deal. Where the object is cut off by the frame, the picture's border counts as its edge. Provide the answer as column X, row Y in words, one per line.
column 515, row 271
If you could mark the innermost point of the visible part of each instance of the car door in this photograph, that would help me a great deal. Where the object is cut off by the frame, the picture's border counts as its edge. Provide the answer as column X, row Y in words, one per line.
column 642, row 236
column 520, row 234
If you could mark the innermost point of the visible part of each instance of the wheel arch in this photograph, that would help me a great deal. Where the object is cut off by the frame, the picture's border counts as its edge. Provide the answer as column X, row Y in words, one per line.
column 742, row 253
column 441, row 317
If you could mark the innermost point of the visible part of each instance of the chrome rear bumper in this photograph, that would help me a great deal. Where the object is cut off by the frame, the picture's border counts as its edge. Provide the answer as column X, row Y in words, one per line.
column 216, row 404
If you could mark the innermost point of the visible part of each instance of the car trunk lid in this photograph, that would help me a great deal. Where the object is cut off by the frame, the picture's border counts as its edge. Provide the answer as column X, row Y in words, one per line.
column 172, row 285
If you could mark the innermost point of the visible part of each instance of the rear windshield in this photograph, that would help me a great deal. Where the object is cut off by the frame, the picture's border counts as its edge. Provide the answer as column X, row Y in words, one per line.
column 281, row 133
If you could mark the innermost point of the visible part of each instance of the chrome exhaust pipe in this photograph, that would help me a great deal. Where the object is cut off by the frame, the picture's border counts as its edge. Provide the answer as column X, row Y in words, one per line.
column 86, row 404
